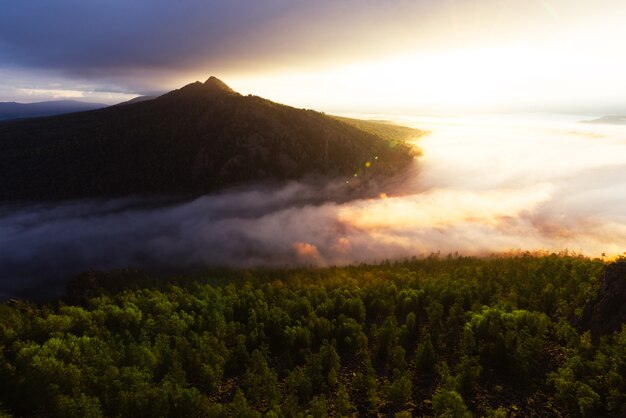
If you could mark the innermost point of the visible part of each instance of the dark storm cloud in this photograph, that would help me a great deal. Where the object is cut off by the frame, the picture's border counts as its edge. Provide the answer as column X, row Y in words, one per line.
column 93, row 35
column 129, row 46
column 119, row 40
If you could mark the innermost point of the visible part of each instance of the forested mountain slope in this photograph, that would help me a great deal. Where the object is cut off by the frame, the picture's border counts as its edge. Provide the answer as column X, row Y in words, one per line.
column 199, row 138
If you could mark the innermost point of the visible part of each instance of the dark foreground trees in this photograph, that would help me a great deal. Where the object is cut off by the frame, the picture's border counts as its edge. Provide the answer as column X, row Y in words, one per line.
column 439, row 336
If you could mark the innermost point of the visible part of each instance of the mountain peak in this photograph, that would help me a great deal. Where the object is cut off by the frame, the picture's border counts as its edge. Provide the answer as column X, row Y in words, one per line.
column 216, row 84
column 212, row 87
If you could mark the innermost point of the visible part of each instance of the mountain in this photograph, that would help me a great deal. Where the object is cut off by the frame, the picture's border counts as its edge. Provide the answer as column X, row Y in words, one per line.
column 13, row 110
column 609, row 120
column 384, row 129
column 194, row 140
column 137, row 99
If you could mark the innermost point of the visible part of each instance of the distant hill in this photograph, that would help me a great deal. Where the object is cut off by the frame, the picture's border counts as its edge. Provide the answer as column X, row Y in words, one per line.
column 13, row 110
column 197, row 139
column 610, row 120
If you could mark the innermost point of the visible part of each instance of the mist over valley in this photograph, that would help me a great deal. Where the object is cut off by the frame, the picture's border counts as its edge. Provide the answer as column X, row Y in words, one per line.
column 478, row 187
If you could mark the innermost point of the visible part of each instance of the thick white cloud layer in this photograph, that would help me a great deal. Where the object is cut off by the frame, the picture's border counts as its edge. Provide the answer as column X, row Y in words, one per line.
column 482, row 186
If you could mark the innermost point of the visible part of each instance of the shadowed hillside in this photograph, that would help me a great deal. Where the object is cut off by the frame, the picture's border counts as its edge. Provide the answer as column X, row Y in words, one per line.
column 199, row 138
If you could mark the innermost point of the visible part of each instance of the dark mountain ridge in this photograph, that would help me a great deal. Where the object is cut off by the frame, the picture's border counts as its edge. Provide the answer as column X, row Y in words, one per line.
column 194, row 140
column 14, row 110
column 137, row 99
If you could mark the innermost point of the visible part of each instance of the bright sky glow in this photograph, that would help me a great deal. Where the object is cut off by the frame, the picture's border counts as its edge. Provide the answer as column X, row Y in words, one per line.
column 564, row 73
column 349, row 56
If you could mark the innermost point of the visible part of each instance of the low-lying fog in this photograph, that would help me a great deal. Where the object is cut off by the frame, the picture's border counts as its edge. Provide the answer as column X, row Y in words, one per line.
column 481, row 186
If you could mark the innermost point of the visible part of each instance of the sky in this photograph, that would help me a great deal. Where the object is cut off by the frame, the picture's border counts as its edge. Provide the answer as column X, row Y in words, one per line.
column 397, row 56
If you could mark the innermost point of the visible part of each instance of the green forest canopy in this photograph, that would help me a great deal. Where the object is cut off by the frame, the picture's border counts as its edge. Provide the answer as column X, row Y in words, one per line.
column 451, row 336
